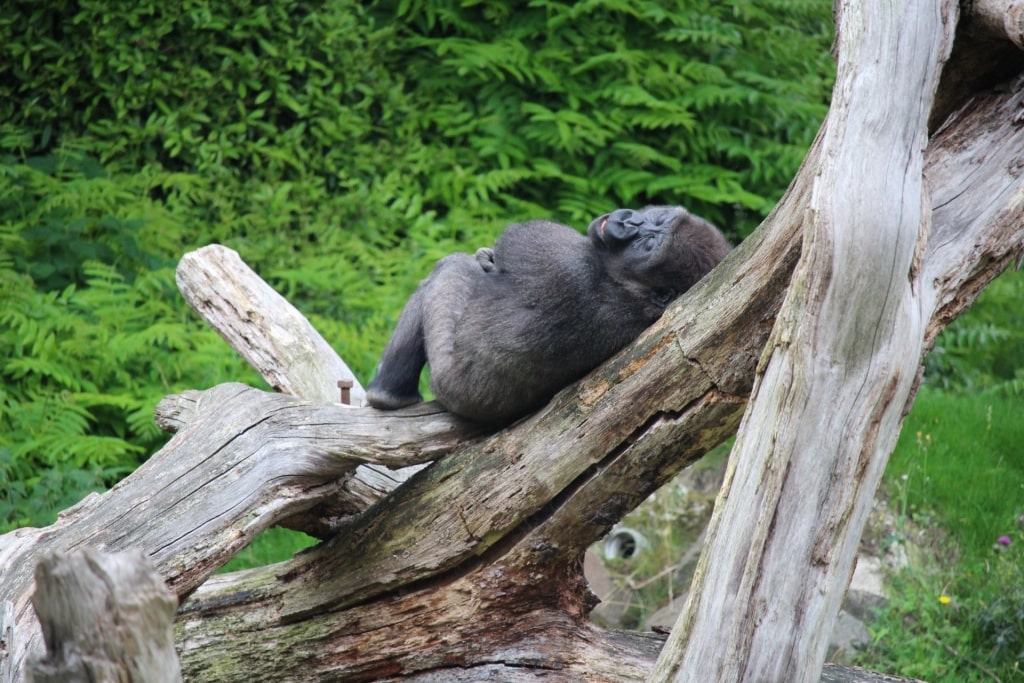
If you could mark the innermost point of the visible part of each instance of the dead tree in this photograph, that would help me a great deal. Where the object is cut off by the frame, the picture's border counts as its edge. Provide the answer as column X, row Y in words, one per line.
column 908, row 203
column 104, row 618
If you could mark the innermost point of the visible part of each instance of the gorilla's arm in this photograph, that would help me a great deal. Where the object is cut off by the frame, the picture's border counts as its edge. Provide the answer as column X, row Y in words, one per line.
column 469, row 317
column 541, row 256
column 433, row 312
column 397, row 383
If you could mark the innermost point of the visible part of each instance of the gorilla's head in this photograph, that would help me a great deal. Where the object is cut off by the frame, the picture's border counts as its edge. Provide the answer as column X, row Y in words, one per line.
column 656, row 253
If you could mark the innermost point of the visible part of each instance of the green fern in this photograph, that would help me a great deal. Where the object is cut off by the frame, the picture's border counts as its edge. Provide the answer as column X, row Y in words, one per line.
column 340, row 149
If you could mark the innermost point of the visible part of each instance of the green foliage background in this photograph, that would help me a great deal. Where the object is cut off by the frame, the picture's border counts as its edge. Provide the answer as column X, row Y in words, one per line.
column 342, row 147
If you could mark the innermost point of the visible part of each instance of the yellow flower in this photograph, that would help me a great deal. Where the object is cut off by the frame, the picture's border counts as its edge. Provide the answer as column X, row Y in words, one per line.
column 944, row 599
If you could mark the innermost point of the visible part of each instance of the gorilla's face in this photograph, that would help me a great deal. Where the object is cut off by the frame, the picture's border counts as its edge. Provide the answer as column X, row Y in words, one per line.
column 656, row 253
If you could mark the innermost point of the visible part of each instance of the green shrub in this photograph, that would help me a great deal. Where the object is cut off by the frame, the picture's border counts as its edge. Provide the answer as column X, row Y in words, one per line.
column 341, row 148
column 463, row 110
column 983, row 349
column 64, row 210
column 571, row 108
column 90, row 352
column 997, row 626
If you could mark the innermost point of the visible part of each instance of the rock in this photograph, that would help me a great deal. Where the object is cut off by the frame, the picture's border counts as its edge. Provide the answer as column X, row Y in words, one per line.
column 848, row 635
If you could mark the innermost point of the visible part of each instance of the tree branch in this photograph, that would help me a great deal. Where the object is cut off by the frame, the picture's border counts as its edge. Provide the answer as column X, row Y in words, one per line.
column 266, row 330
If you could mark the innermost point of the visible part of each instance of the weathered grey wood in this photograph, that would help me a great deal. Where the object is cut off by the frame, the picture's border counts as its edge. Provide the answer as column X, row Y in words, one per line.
column 232, row 614
column 7, row 626
column 105, row 618
column 1001, row 19
column 987, row 51
column 246, row 460
column 478, row 556
column 266, row 330
column 519, row 674
column 975, row 173
column 280, row 344
column 840, row 368
column 402, row 622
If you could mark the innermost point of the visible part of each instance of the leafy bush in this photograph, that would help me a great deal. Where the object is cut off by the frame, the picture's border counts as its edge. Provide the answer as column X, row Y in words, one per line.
column 983, row 350
column 341, row 148
column 90, row 351
column 998, row 624
column 465, row 110
column 576, row 108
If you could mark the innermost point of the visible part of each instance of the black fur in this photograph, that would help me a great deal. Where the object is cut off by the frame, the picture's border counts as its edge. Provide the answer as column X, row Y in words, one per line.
column 505, row 329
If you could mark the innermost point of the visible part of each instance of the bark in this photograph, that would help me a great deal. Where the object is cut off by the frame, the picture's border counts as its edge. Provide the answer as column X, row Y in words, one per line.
column 105, row 618
column 841, row 369
column 838, row 371
column 245, row 460
column 280, row 344
column 472, row 568
column 266, row 330
column 486, row 585
column 1000, row 19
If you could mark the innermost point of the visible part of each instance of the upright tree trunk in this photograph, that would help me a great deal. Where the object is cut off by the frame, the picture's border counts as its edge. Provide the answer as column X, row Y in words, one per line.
column 105, row 618
column 836, row 375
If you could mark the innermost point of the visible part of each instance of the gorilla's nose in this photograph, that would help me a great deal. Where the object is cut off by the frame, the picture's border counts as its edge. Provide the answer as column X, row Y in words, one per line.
column 617, row 228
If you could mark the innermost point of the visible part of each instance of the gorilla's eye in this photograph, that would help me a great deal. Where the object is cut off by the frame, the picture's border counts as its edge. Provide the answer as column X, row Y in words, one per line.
column 647, row 241
column 662, row 296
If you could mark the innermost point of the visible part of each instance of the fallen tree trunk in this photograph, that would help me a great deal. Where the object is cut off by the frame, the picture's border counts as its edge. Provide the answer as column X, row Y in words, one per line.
column 472, row 568
column 458, row 541
column 440, row 588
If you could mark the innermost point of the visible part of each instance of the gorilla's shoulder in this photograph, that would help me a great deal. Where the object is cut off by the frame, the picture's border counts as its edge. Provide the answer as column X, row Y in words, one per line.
column 539, row 232
column 538, row 246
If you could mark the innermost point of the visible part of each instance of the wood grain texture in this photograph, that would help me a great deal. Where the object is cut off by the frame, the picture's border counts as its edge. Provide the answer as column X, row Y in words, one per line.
column 264, row 328
column 286, row 350
column 245, row 460
column 105, row 617
column 840, row 369
column 491, row 552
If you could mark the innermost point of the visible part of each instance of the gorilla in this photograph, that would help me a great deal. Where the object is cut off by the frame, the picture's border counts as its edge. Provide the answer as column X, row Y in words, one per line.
column 505, row 329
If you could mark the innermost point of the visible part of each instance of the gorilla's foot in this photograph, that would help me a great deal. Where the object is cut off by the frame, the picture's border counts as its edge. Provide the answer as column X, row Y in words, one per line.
column 385, row 400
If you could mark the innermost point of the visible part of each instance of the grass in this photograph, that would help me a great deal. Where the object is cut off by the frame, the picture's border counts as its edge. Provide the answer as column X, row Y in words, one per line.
column 273, row 545
column 961, row 459
column 956, row 482
column 956, row 615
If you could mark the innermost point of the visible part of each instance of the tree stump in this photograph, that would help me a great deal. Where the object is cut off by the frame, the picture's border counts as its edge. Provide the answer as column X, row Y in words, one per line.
column 105, row 618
